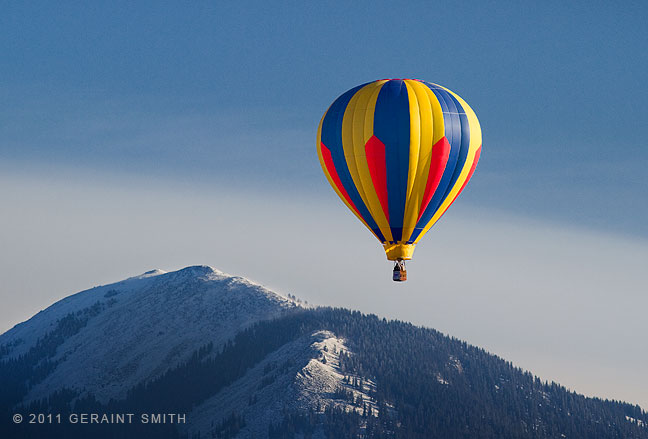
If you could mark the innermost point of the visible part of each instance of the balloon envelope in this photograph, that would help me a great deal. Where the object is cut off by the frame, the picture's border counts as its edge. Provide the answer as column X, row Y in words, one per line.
column 398, row 153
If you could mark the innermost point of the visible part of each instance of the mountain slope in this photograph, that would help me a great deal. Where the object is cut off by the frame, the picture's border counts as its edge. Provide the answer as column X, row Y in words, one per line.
column 303, row 374
column 237, row 360
column 136, row 329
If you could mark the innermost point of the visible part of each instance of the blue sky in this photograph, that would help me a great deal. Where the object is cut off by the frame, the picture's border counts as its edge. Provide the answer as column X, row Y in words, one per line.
column 235, row 87
column 137, row 135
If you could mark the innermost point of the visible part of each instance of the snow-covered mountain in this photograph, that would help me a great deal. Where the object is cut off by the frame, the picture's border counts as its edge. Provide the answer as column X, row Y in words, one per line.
column 237, row 360
column 110, row 338
column 136, row 329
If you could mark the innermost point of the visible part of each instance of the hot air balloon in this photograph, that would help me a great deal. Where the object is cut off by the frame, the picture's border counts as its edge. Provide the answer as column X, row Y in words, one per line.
column 398, row 152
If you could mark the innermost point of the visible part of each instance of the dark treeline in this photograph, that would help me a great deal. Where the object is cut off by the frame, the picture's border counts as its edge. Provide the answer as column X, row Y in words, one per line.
column 443, row 387
column 19, row 374
column 427, row 386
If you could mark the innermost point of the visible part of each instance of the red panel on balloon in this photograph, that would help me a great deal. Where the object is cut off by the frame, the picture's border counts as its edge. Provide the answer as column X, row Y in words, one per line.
column 438, row 161
column 375, row 151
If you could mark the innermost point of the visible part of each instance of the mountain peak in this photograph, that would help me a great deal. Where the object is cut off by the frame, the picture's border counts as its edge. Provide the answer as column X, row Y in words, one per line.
column 150, row 273
column 199, row 270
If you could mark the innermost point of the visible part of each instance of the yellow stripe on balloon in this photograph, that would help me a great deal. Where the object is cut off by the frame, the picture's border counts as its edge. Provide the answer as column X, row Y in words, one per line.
column 364, row 118
column 330, row 179
column 353, row 143
column 409, row 216
column 475, row 143
column 348, row 128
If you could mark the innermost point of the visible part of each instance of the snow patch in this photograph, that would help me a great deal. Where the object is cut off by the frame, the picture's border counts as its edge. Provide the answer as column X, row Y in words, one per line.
column 322, row 382
column 632, row 420
column 454, row 362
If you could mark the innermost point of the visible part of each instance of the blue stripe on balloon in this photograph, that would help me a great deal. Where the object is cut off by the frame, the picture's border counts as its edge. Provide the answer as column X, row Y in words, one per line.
column 392, row 127
column 332, row 137
column 464, row 145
